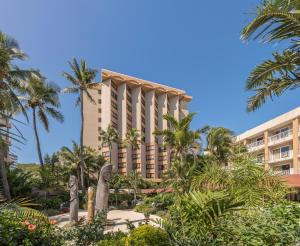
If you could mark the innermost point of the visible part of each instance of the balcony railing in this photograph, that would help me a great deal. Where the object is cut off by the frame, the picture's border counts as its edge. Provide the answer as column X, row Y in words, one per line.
column 255, row 145
column 283, row 172
column 281, row 156
column 280, row 136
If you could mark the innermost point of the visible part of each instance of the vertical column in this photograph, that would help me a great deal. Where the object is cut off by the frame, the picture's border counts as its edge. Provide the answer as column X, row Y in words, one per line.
column 266, row 141
column 140, row 157
column 92, row 119
column 151, row 146
column 106, row 112
column 124, row 153
column 295, row 145
column 183, row 108
column 163, row 153
column 174, row 107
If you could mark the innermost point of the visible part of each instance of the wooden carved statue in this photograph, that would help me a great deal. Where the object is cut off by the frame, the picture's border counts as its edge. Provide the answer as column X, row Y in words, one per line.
column 74, row 201
column 103, row 188
column 91, row 204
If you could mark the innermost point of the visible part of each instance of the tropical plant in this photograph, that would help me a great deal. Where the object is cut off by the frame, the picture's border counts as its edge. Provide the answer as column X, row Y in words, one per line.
column 109, row 137
column 116, row 182
column 220, row 144
column 70, row 159
column 11, row 77
column 275, row 21
column 179, row 137
column 134, row 181
column 42, row 98
column 147, row 235
column 82, row 80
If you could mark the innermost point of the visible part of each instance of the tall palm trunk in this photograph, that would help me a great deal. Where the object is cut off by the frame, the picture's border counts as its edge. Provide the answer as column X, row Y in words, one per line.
column 3, row 170
column 38, row 145
column 81, row 142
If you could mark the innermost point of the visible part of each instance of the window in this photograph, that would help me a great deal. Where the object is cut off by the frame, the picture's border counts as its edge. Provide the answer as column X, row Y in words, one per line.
column 99, row 101
column 99, row 110
column 114, row 95
column 99, row 91
column 114, row 105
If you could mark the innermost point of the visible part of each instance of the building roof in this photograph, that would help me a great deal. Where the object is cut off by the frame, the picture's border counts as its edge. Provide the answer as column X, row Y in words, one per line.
column 118, row 77
column 274, row 123
column 292, row 180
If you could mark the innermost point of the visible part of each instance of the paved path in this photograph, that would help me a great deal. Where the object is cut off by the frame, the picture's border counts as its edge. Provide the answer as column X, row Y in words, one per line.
column 117, row 219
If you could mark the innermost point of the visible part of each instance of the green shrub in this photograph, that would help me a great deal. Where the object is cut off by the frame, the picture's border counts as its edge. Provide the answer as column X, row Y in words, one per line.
column 16, row 230
column 147, row 235
column 83, row 234
column 45, row 203
column 113, row 239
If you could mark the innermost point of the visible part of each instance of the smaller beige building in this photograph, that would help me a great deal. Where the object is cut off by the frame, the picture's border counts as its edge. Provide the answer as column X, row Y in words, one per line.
column 126, row 102
column 275, row 143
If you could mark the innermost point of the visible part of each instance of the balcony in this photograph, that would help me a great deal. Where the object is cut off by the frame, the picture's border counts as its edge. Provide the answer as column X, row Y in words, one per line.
column 280, row 137
column 282, row 156
column 283, row 172
column 255, row 145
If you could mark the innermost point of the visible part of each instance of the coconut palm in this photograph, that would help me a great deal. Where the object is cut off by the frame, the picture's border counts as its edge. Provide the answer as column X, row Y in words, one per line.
column 220, row 144
column 275, row 21
column 11, row 76
column 133, row 138
column 82, row 80
column 178, row 137
column 109, row 137
column 42, row 99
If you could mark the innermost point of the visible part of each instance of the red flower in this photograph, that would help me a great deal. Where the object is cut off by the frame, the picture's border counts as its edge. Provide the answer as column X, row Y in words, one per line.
column 31, row 227
column 53, row 222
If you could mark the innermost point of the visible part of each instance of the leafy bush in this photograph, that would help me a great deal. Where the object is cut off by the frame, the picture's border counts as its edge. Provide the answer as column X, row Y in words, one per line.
column 113, row 239
column 16, row 230
column 20, row 182
column 46, row 203
column 147, row 235
column 156, row 205
column 83, row 234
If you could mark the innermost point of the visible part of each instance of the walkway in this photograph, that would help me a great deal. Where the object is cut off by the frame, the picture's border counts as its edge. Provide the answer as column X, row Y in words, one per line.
column 116, row 218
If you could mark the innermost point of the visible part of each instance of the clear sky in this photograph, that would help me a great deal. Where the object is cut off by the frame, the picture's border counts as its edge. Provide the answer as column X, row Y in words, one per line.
column 193, row 45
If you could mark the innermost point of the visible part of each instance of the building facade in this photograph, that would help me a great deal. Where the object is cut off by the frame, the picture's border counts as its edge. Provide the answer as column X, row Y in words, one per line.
column 275, row 143
column 126, row 102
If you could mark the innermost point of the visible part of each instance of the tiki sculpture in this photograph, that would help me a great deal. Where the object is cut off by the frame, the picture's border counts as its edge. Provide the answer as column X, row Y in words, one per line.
column 74, row 201
column 91, row 204
column 103, row 188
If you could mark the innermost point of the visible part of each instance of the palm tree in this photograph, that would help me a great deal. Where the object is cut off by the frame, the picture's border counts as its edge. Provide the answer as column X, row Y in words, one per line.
column 109, row 137
column 82, row 80
column 42, row 98
column 133, row 139
column 11, row 77
column 116, row 182
column 275, row 21
column 134, row 181
column 220, row 143
column 71, row 158
column 179, row 137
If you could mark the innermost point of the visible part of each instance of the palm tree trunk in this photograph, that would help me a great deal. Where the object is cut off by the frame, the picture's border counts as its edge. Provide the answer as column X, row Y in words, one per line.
column 81, row 142
column 3, row 171
column 38, row 145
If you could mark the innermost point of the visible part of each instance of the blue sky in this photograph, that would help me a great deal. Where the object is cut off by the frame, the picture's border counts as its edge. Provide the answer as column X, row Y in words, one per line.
column 193, row 45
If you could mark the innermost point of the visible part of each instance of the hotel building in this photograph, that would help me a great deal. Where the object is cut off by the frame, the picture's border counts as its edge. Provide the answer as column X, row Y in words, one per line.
column 275, row 143
column 125, row 102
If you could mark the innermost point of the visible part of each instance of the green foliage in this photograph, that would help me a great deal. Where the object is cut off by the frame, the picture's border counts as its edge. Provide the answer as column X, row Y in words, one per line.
column 273, row 225
column 83, row 234
column 20, row 182
column 113, row 239
column 156, row 204
column 20, row 230
column 147, row 235
column 275, row 21
column 52, row 202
